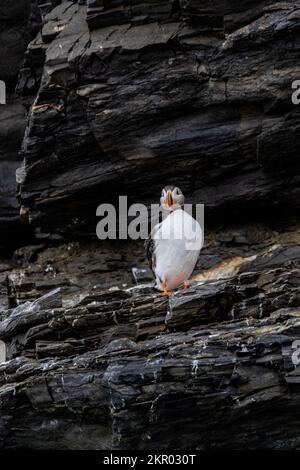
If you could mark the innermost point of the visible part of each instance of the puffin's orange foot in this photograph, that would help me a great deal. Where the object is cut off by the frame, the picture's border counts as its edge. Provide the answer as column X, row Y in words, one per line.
column 186, row 285
column 165, row 288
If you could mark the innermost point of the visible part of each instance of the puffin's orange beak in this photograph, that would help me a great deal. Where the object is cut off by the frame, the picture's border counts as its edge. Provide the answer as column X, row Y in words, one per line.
column 169, row 199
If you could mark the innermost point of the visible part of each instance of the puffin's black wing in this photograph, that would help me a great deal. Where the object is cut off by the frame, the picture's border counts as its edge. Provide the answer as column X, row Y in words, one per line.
column 150, row 249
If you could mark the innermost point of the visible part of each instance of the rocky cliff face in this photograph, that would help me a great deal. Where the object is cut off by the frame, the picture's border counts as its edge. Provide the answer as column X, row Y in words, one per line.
column 19, row 23
column 135, row 94
column 119, row 98
column 93, row 366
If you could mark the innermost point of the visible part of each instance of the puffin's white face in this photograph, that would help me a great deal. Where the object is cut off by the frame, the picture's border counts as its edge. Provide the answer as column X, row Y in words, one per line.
column 171, row 198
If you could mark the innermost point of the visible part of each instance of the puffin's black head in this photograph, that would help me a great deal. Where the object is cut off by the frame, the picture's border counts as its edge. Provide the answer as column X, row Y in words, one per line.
column 171, row 198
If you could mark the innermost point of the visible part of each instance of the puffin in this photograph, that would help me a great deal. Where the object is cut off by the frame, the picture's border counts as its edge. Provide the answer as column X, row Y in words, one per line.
column 174, row 244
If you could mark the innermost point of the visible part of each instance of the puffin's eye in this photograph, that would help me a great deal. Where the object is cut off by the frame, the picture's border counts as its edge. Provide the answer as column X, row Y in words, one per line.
column 176, row 192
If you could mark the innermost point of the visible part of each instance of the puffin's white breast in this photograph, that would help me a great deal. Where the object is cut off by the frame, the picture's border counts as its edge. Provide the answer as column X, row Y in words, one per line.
column 177, row 246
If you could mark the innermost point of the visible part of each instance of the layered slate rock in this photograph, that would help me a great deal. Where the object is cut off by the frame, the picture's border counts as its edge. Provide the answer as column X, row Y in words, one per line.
column 124, row 97
column 127, row 368
column 135, row 96
column 19, row 23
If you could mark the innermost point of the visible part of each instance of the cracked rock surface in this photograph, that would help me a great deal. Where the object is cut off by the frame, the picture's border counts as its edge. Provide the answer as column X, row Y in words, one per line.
column 123, row 367
column 19, row 24
column 135, row 94
column 123, row 97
